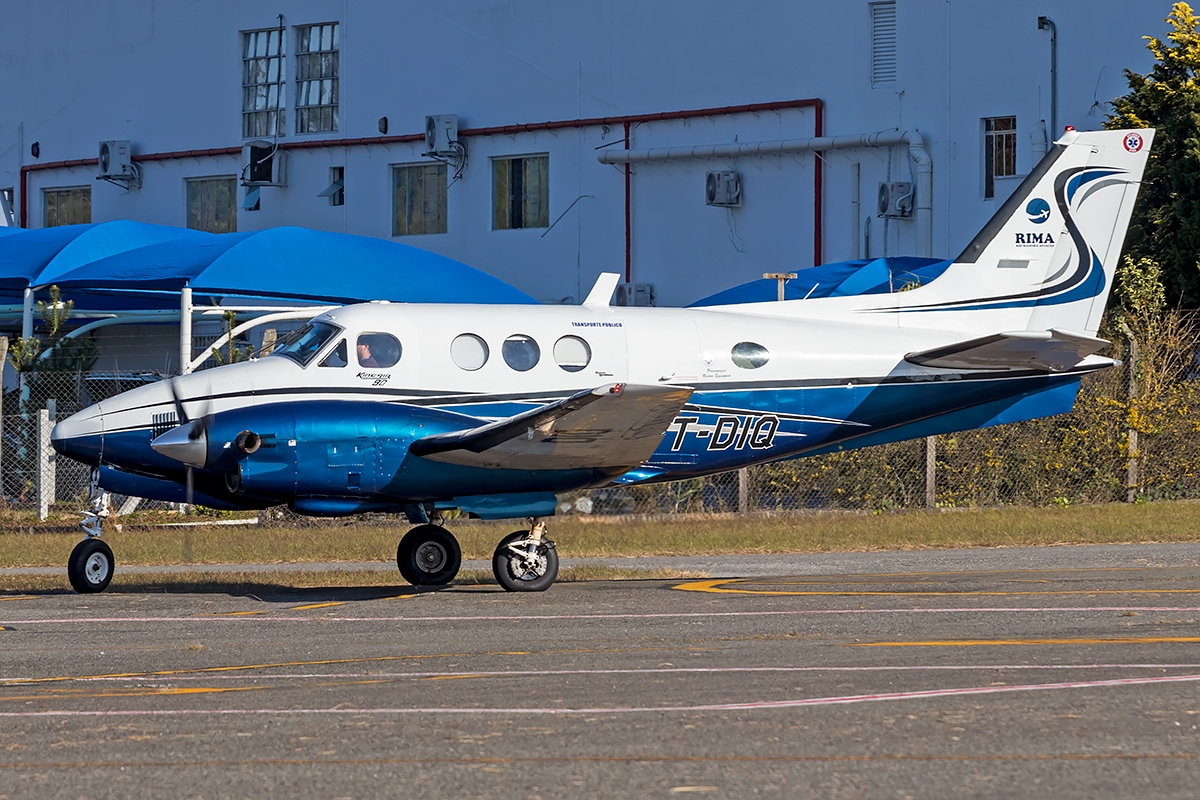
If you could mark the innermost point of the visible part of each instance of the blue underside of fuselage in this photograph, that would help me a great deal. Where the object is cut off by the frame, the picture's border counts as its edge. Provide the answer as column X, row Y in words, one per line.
column 719, row 430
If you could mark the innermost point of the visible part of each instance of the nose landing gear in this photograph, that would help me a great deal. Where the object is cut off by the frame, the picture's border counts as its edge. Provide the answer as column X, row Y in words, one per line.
column 91, row 565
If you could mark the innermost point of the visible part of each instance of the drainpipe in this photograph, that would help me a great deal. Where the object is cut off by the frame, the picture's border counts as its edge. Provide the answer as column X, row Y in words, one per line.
column 923, row 167
column 1045, row 23
column 855, row 206
column 628, row 225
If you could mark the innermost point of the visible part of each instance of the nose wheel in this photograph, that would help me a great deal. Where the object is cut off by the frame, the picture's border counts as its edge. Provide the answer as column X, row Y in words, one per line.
column 91, row 566
column 428, row 556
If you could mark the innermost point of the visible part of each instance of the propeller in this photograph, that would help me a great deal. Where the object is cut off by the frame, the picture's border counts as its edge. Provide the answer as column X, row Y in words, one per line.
column 192, row 447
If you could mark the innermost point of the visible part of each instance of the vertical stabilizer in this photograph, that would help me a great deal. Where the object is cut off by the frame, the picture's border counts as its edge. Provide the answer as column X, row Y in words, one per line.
column 1046, row 258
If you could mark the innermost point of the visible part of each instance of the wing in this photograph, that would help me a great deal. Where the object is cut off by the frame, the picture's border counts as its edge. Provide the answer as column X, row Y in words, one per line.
column 1052, row 351
column 613, row 427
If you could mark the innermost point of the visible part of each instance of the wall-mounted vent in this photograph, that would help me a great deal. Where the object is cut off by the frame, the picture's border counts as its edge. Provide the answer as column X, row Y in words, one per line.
column 883, row 44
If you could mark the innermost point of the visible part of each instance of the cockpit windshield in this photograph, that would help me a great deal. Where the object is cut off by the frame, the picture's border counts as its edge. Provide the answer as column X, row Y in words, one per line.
column 303, row 344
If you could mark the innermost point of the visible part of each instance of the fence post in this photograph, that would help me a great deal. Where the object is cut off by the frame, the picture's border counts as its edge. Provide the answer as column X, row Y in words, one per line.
column 1131, row 471
column 3, row 362
column 931, row 472
column 743, row 491
column 46, row 464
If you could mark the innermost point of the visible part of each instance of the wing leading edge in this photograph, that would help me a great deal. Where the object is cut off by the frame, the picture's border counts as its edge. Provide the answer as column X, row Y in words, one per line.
column 1054, row 350
column 617, row 426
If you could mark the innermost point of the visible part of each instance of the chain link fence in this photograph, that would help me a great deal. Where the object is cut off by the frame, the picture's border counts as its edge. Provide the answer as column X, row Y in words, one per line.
column 1086, row 456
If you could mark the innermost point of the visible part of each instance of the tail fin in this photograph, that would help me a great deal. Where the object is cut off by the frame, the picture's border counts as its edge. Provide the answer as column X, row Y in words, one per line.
column 1046, row 258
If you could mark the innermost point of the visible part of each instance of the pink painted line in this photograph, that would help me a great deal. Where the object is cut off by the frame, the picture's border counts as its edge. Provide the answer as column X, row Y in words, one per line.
column 770, row 704
column 549, row 617
column 537, row 673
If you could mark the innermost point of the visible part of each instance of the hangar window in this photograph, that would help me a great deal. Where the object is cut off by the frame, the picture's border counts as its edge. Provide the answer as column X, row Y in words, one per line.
column 521, row 187
column 749, row 355
column 999, row 151
column 521, row 352
column 377, row 350
column 317, row 77
column 469, row 352
column 336, row 357
column 263, row 106
column 418, row 199
column 572, row 353
column 67, row 206
column 212, row 204
column 883, row 44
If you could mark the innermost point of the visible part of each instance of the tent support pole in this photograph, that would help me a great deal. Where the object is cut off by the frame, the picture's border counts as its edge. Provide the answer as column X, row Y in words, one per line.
column 185, row 330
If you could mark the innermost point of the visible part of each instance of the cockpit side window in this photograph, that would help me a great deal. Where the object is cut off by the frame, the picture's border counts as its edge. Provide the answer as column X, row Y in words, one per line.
column 303, row 344
column 336, row 357
column 377, row 350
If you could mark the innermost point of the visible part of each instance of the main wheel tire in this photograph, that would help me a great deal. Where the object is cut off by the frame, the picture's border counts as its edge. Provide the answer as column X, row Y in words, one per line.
column 516, row 576
column 428, row 556
column 91, row 566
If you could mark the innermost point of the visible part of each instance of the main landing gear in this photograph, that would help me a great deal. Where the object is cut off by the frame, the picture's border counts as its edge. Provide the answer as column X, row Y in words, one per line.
column 91, row 566
column 524, row 561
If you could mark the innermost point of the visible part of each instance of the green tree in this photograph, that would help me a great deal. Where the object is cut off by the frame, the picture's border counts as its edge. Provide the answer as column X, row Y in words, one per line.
column 1166, row 220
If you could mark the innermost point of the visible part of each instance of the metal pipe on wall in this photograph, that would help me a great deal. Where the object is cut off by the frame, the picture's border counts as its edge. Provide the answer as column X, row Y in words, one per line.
column 855, row 207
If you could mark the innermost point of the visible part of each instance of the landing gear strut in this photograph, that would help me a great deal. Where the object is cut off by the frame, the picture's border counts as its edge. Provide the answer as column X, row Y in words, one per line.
column 91, row 566
column 428, row 555
column 526, row 561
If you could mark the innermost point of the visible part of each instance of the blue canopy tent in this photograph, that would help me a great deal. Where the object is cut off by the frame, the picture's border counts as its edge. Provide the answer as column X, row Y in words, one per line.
column 840, row 279
column 295, row 264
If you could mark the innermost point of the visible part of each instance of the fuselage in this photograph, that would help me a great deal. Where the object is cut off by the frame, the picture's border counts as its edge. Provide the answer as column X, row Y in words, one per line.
column 768, row 385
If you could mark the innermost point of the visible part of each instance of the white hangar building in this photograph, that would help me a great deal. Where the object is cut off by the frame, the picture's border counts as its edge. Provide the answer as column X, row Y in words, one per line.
column 690, row 146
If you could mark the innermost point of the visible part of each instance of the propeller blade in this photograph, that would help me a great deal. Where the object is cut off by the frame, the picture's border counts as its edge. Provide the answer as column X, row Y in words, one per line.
column 191, row 486
column 179, row 412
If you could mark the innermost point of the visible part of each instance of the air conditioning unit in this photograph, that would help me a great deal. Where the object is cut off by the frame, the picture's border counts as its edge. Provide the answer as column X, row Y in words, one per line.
column 723, row 189
column 441, row 135
column 895, row 199
column 635, row 294
column 115, row 160
column 263, row 164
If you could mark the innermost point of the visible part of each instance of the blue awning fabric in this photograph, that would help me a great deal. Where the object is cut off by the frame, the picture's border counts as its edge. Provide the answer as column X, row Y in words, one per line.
column 133, row 259
column 840, row 279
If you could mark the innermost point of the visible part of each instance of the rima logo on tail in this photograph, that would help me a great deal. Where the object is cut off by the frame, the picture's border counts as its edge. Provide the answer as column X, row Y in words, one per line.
column 1038, row 211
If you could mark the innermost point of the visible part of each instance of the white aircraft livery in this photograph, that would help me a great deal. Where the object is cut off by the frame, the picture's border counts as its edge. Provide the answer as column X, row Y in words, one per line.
column 418, row 409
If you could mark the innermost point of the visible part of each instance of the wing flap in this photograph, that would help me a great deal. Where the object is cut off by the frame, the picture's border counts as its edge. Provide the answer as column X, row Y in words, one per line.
column 617, row 426
column 1050, row 351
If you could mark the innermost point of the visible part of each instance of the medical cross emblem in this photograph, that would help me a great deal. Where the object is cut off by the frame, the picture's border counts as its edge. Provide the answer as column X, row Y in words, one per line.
column 1133, row 142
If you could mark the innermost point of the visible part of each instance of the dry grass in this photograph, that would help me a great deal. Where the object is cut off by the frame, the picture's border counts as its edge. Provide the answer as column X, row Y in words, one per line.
column 599, row 537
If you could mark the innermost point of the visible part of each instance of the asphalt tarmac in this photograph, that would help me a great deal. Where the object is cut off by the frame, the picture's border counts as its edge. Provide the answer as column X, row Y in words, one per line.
column 949, row 674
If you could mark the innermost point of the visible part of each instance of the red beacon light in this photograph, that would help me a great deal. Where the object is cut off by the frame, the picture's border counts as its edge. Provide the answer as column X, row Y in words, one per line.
column 1069, row 128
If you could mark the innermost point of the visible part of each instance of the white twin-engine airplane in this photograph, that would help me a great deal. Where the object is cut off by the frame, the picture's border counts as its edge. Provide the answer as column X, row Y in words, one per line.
column 494, row 409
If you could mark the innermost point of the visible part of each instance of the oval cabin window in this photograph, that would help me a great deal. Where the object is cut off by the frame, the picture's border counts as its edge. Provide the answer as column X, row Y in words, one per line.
column 572, row 353
column 749, row 355
column 521, row 352
column 377, row 350
column 469, row 352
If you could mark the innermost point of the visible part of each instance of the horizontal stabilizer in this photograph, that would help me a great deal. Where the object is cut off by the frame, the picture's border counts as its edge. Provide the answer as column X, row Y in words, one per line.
column 1052, row 351
column 617, row 426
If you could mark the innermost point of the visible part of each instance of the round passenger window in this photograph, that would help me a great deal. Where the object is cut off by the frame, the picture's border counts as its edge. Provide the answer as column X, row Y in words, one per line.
column 521, row 352
column 572, row 353
column 469, row 352
column 749, row 355
column 377, row 350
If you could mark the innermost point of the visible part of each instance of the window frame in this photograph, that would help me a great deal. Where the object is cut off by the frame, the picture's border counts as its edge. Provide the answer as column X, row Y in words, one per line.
column 279, row 85
column 503, row 200
column 201, row 180
column 998, row 141
column 307, row 79
column 441, row 188
column 70, row 193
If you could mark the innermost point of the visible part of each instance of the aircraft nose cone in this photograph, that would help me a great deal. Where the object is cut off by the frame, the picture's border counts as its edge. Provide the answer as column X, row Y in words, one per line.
column 80, row 436
column 187, row 443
